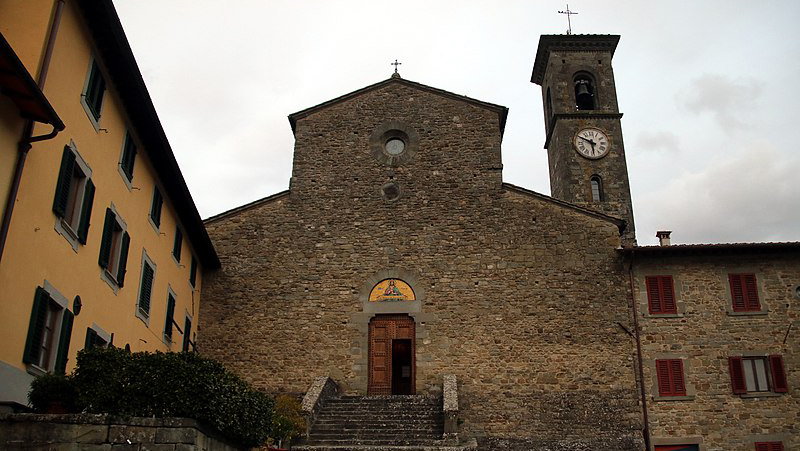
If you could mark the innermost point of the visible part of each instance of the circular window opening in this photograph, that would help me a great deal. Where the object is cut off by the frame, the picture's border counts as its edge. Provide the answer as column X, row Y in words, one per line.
column 395, row 146
column 391, row 191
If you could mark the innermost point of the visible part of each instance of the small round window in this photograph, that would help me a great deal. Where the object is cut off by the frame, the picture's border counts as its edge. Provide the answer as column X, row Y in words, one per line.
column 395, row 146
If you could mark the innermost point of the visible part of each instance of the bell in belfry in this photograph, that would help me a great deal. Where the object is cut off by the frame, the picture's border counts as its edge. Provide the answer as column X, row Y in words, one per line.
column 584, row 97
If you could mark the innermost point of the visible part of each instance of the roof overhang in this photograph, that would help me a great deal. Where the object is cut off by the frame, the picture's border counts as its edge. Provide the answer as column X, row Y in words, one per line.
column 115, row 51
column 17, row 84
column 572, row 42
column 714, row 249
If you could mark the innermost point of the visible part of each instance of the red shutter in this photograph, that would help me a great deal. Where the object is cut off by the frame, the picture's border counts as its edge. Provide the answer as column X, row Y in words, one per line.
column 769, row 446
column 660, row 294
column 762, row 447
column 678, row 385
column 737, row 292
column 737, row 375
column 751, row 292
column 670, row 377
column 776, row 446
column 779, row 384
column 668, row 295
column 653, row 299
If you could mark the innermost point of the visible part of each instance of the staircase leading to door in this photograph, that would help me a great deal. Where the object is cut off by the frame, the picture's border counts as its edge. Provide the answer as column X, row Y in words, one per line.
column 371, row 423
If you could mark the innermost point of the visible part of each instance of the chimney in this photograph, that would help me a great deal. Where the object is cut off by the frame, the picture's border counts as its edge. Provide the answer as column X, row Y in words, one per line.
column 663, row 237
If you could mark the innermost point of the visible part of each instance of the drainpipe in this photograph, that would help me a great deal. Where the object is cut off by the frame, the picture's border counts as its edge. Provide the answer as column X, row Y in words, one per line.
column 27, row 133
column 646, row 429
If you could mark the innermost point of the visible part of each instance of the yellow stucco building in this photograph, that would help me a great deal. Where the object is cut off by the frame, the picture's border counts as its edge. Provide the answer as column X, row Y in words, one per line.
column 101, row 241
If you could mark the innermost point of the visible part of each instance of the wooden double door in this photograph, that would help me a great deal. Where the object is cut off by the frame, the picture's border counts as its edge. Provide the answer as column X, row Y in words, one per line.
column 392, row 355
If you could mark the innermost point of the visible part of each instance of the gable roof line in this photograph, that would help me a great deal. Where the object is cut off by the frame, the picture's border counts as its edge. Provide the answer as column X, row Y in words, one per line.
column 501, row 110
column 245, row 207
column 620, row 223
column 114, row 50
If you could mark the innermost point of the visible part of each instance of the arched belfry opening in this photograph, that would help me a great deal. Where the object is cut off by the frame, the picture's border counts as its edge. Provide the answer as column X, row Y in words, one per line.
column 585, row 91
column 548, row 110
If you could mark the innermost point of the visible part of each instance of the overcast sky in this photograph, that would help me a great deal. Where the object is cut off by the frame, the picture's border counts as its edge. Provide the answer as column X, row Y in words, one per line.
column 709, row 92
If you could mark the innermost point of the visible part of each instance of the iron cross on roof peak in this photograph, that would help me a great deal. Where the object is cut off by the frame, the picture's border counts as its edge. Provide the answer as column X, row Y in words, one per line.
column 569, row 22
column 395, row 64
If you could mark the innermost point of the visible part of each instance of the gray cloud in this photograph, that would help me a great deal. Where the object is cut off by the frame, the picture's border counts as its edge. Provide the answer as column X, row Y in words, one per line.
column 657, row 141
column 753, row 196
column 730, row 102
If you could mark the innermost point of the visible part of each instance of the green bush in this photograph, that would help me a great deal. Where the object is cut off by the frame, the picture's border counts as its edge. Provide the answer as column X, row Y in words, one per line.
column 160, row 384
column 53, row 393
column 287, row 422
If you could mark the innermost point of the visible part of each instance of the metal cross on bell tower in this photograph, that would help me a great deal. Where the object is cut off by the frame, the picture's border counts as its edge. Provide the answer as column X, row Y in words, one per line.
column 395, row 64
column 569, row 22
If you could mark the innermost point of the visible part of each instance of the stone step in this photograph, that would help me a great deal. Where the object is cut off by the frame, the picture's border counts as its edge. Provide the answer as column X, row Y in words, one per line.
column 392, row 424
column 470, row 445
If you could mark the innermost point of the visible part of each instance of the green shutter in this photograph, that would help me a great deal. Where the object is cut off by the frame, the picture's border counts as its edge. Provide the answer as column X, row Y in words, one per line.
column 105, row 241
column 193, row 272
column 91, row 336
column 146, row 289
column 170, row 314
column 187, row 329
column 86, row 211
column 129, row 157
column 61, row 199
column 155, row 208
column 176, row 248
column 63, row 342
column 33, row 344
column 123, row 258
column 95, row 90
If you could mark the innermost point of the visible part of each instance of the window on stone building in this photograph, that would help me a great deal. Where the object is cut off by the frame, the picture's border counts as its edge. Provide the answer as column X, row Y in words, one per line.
column 74, row 197
column 597, row 188
column 114, row 246
column 677, row 448
column 744, row 292
column 660, row 295
column 670, row 377
column 769, row 446
column 757, row 374
column 49, row 333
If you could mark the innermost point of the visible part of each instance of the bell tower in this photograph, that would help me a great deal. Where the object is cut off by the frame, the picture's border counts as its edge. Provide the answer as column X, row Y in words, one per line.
column 584, row 144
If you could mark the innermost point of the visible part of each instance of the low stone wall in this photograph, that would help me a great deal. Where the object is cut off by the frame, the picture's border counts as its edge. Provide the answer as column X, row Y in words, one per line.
column 84, row 432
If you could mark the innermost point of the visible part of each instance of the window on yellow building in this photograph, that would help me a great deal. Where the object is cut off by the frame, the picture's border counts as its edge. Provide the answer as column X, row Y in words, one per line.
column 170, row 320
column 155, row 207
column 176, row 247
column 49, row 332
column 93, row 92
column 128, row 158
column 114, row 248
column 145, row 288
column 193, row 272
column 74, row 196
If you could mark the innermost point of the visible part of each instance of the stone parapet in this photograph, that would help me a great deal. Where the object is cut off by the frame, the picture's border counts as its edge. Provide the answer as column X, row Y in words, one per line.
column 323, row 388
column 41, row 432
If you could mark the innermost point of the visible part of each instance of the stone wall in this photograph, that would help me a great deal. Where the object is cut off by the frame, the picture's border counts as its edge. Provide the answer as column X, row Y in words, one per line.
column 704, row 333
column 523, row 297
column 84, row 432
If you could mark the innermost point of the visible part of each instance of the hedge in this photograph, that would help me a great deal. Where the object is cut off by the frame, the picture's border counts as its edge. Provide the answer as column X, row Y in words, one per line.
column 144, row 384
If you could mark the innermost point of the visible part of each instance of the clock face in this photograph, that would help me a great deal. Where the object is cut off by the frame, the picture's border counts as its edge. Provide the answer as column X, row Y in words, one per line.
column 592, row 143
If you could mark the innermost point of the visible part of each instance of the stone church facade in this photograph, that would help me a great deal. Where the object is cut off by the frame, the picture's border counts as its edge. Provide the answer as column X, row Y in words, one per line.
column 399, row 256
